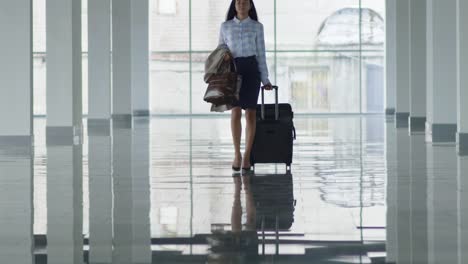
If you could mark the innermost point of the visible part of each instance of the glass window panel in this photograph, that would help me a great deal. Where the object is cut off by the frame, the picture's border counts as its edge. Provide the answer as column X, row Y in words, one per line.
column 207, row 17
column 39, row 26
column 377, row 6
column 319, row 24
column 373, row 90
column 266, row 16
column 373, row 25
column 84, row 83
column 319, row 82
column 39, row 60
column 199, row 106
column 170, row 83
column 84, row 26
column 39, row 90
column 167, row 7
column 170, row 32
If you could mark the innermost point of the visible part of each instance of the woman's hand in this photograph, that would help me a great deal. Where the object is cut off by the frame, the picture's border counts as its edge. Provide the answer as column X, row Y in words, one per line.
column 267, row 86
column 227, row 57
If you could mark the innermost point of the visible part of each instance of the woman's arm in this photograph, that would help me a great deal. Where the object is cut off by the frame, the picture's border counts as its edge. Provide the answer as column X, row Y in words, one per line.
column 261, row 56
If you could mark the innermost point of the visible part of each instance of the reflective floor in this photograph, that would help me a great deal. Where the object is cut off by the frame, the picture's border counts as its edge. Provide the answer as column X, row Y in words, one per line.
column 162, row 191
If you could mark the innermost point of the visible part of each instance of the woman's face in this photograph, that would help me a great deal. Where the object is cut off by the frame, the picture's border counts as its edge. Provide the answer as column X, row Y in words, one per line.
column 243, row 6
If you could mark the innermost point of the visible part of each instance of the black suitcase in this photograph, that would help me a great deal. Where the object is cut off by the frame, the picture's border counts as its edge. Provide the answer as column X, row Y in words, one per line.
column 275, row 133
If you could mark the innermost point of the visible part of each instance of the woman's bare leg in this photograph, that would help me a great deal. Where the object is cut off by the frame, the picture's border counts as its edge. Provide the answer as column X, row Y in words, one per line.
column 250, row 118
column 236, row 130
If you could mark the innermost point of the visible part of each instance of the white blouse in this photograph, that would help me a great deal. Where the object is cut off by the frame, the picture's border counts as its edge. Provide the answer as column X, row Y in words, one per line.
column 246, row 38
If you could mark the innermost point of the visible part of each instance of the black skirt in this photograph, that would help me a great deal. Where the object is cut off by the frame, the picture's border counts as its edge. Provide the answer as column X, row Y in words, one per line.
column 247, row 67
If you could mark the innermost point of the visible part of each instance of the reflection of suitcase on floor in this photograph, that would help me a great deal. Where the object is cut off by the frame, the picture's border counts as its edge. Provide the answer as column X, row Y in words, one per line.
column 274, row 134
column 274, row 201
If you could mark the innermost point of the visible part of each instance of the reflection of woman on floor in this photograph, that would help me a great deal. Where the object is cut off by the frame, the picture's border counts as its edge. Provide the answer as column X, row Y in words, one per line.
column 236, row 215
column 247, row 239
column 240, row 245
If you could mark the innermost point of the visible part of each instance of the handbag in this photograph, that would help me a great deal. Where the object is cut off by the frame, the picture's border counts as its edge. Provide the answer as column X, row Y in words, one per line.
column 223, row 87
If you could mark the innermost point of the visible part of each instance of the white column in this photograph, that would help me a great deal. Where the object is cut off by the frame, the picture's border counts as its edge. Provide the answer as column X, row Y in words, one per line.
column 462, row 63
column 100, row 148
column 16, row 204
column 392, row 217
column 100, row 195
column 402, row 63
column 140, row 57
column 417, row 121
column 442, row 206
column 390, row 57
column 64, row 203
column 418, row 193
column 64, row 104
column 441, row 123
column 99, row 94
column 99, row 59
column 122, row 59
column 16, row 78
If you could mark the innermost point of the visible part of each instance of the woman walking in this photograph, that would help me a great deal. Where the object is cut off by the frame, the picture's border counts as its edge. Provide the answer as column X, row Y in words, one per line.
column 244, row 36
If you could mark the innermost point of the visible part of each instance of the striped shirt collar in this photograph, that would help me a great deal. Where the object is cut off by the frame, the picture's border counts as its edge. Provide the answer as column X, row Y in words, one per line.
column 247, row 19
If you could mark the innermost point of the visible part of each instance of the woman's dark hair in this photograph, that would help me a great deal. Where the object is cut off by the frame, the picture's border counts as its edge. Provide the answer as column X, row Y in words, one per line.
column 232, row 11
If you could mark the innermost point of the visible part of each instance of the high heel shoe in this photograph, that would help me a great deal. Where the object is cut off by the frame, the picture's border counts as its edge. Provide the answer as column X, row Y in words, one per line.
column 247, row 169
column 236, row 168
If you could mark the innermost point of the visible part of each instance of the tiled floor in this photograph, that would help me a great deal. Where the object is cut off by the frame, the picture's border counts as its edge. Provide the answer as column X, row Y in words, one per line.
column 163, row 192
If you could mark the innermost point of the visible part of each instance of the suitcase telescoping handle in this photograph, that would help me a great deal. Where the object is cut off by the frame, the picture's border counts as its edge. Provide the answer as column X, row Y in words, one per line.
column 276, row 103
